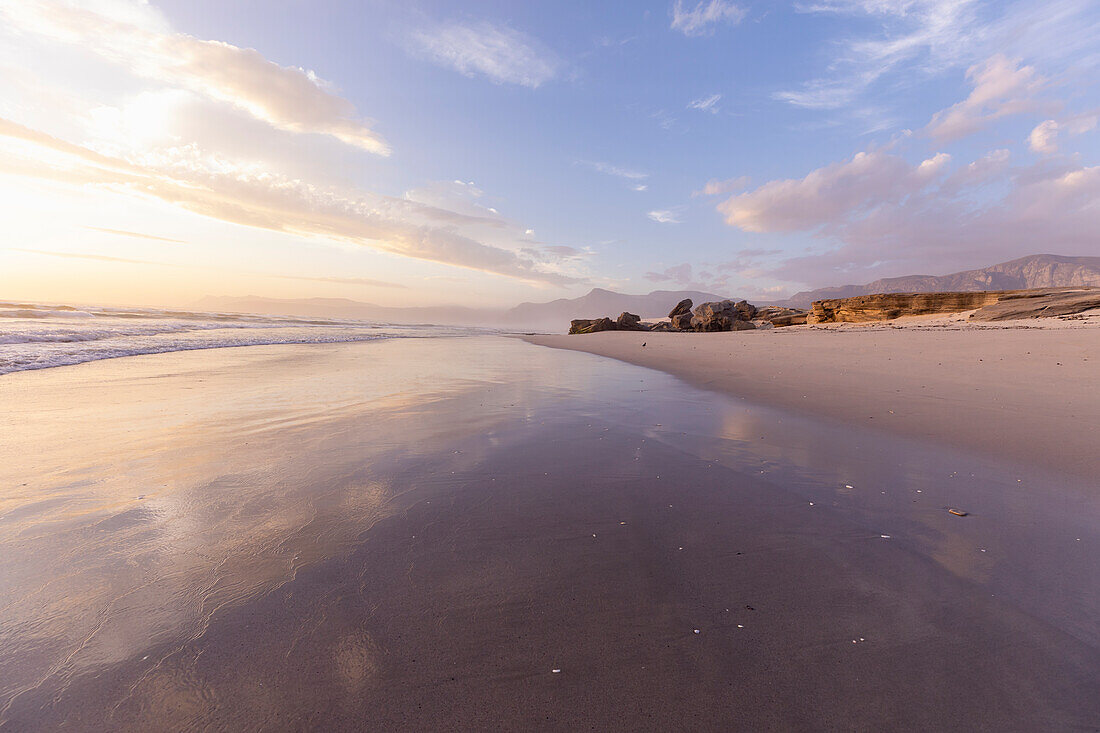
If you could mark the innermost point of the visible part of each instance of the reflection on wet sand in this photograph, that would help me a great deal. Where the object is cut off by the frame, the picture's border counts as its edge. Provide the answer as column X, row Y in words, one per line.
column 329, row 536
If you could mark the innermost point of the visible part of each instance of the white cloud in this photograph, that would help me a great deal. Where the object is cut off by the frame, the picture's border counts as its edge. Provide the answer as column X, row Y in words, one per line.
column 1044, row 138
column 250, row 195
column 501, row 54
column 702, row 19
column 665, row 216
column 1001, row 87
column 830, row 194
column 614, row 170
column 901, row 42
column 138, row 39
column 715, row 187
column 877, row 215
column 706, row 104
column 936, row 34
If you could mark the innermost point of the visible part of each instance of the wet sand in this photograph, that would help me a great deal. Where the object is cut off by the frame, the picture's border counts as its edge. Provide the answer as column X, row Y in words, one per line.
column 1017, row 392
column 416, row 534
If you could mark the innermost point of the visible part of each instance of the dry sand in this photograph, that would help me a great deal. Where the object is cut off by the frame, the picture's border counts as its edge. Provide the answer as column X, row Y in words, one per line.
column 1026, row 391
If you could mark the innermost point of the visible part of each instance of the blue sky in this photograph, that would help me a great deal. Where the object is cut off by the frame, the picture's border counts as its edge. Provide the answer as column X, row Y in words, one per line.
column 487, row 153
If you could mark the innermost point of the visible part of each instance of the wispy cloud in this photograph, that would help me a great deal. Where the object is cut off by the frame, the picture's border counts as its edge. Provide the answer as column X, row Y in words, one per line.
column 706, row 104
column 665, row 216
column 715, row 187
column 85, row 256
column 633, row 177
column 136, row 235
column 918, row 39
column 1001, row 87
column 369, row 282
column 614, row 170
column 218, row 188
column 705, row 17
column 837, row 191
column 686, row 276
column 935, row 33
column 138, row 39
column 501, row 54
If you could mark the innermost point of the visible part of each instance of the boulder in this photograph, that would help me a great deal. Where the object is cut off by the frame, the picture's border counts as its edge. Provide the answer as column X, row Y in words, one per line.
column 682, row 322
column 721, row 315
column 684, row 306
column 629, row 322
column 780, row 316
column 592, row 326
column 662, row 326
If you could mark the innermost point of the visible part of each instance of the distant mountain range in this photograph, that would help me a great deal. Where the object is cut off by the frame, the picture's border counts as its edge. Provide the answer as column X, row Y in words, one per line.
column 1033, row 271
column 599, row 302
column 547, row 316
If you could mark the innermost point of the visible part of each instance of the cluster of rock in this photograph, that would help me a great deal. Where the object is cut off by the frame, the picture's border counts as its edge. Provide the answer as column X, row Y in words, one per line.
column 990, row 305
column 721, row 315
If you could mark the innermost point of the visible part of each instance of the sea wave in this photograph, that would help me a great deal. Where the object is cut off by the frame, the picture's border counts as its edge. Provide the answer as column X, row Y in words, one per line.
column 39, row 336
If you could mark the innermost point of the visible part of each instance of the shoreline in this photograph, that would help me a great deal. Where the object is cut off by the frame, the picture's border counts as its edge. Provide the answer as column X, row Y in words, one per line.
column 1018, row 394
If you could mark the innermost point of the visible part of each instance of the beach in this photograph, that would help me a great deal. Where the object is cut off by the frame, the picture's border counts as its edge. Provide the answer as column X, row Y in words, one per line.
column 1020, row 391
column 733, row 531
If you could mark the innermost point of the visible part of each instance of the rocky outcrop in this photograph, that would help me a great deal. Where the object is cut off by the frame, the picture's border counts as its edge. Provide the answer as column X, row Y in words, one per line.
column 995, row 305
column 888, row 306
column 625, row 322
column 1033, row 271
column 779, row 316
column 682, row 308
column 1039, row 304
column 724, row 315
column 583, row 325
column 716, row 315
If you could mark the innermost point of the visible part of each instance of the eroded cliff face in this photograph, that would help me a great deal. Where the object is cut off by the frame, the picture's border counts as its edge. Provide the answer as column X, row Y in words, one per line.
column 989, row 305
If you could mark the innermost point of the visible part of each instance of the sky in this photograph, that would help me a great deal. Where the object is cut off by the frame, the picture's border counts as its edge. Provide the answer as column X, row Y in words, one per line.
column 430, row 152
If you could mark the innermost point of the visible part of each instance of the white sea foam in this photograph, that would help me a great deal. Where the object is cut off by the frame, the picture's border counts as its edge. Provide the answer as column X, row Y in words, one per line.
column 36, row 336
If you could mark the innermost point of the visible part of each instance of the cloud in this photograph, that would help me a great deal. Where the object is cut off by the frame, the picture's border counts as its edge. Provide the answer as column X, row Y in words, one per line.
column 1044, row 138
column 497, row 52
column 715, row 187
column 85, row 256
column 614, row 170
column 222, row 189
column 896, row 43
column 828, row 194
column 706, row 104
column 685, row 277
column 627, row 174
column 137, row 38
column 1001, row 87
column 665, row 216
column 877, row 215
column 138, row 235
column 369, row 282
column 129, row 261
column 705, row 17
column 935, row 33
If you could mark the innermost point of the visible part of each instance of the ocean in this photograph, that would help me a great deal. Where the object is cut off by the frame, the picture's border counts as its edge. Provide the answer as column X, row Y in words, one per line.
column 39, row 336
